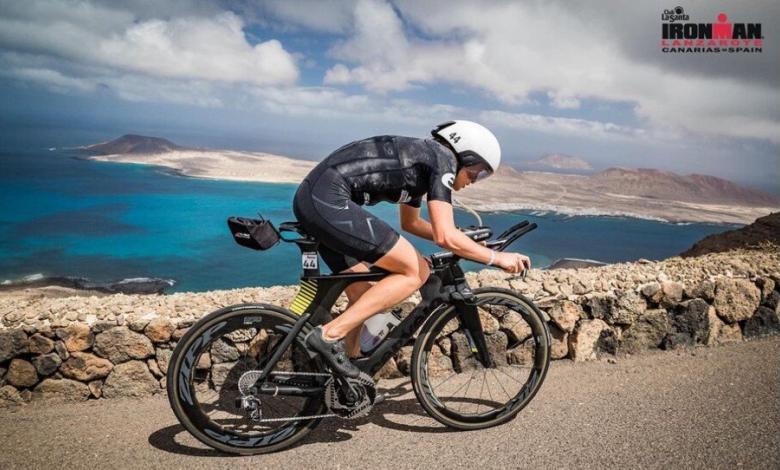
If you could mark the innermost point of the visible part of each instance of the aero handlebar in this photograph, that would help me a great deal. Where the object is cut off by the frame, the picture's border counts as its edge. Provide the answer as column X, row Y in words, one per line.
column 506, row 238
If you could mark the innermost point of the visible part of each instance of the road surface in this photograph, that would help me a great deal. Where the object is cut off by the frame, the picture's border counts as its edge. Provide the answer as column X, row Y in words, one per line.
column 706, row 408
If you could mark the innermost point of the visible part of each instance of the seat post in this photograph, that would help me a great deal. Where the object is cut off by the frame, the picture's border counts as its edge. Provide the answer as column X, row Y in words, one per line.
column 309, row 260
column 309, row 246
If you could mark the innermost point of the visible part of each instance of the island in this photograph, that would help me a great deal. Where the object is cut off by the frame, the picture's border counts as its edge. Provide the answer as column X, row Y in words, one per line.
column 641, row 193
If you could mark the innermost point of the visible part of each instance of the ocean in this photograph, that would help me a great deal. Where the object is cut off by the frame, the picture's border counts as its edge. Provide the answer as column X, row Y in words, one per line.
column 63, row 216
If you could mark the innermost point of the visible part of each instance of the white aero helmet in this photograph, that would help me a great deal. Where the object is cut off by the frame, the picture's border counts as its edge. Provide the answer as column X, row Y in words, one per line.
column 474, row 145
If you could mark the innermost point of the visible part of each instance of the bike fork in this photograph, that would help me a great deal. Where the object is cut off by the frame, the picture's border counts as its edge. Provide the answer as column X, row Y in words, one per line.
column 469, row 317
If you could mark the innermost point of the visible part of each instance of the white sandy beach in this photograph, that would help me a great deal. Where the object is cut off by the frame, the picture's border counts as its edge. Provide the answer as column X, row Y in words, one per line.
column 508, row 189
column 223, row 165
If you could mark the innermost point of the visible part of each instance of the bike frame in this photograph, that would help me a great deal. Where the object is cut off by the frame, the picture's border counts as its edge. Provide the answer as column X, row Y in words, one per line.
column 322, row 291
column 446, row 285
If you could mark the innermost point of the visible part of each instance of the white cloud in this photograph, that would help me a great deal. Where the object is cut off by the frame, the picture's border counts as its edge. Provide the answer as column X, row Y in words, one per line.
column 52, row 79
column 194, row 52
column 201, row 48
column 569, row 127
column 331, row 16
column 332, row 103
column 388, row 60
column 211, row 48
column 304, row 101
column 563, row 100
column 569, row 52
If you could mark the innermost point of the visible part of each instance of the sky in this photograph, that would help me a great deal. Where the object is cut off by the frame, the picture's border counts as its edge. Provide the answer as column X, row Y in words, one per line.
column 301, row 78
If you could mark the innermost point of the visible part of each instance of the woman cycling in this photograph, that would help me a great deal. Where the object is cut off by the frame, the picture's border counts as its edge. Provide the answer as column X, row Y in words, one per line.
column 400, row 170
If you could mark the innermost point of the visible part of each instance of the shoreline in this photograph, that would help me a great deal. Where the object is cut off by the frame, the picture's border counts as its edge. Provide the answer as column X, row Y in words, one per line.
column 77, row 285
column 510, row 190
column 228, row 165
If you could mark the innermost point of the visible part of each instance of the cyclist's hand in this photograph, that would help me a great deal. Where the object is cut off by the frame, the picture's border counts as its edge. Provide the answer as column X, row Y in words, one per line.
column 513, row 262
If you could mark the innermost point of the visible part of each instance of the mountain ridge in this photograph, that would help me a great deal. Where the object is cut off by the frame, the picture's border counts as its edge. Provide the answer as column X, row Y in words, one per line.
column 694, row 187
column 559, row 161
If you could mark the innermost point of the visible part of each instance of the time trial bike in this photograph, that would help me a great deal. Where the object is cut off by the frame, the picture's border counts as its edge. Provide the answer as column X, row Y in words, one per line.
column 242, row 380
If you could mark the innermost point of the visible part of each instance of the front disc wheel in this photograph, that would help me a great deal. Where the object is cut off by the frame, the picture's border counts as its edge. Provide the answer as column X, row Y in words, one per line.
column 451, row 383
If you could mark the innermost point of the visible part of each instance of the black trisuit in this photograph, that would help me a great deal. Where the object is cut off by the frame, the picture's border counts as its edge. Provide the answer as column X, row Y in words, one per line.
column 384, row 168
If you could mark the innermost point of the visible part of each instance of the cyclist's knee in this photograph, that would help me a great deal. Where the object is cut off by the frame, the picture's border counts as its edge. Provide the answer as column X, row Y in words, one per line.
column 424, row 271
column 404, row 259
column 355, row 290
column 417, row 273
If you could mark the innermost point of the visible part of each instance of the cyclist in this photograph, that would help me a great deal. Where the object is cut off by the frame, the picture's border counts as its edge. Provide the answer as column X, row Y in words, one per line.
column 400, row 170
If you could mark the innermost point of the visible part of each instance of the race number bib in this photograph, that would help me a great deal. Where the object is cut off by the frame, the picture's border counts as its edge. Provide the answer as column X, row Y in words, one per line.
column 309, row 261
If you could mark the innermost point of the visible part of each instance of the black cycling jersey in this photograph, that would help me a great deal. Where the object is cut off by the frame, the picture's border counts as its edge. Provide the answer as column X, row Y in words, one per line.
column 393, row 169
column 384, row 168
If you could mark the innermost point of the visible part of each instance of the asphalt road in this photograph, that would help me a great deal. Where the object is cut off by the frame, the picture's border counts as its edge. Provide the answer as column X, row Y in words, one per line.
column 707, row 408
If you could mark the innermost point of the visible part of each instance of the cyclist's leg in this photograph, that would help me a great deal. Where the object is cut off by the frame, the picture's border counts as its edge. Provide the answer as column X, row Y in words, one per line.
column 325, row 209
column 340, row 263
column 354, row 291
column 409, row 271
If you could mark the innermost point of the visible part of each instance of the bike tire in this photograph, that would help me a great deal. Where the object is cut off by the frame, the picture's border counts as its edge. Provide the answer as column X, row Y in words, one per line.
column 182, row 395
column 431, row 332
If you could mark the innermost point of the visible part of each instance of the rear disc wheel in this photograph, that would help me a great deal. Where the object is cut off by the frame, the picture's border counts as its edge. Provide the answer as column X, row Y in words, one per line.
column 227, row 348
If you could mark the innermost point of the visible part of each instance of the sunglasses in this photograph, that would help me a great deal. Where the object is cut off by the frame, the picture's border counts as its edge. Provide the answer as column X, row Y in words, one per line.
column 478, row 172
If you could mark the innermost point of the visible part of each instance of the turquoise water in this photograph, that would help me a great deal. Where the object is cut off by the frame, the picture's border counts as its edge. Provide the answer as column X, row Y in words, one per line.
column 61, row 216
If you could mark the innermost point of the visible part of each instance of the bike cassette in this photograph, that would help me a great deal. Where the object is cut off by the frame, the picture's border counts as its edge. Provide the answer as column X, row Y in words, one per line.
column 365, row 387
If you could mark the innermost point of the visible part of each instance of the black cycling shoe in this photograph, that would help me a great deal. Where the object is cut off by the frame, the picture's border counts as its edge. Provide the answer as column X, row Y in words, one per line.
column 333, row 352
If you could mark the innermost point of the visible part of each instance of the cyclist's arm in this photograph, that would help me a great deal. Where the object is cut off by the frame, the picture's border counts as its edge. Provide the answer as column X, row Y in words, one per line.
column 447, row 236
column 412, row 222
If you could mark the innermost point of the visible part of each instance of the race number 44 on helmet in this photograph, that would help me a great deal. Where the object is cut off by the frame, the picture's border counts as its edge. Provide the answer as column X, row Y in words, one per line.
column 476, row 148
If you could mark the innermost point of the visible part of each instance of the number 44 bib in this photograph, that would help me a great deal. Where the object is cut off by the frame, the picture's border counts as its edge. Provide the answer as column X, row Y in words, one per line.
column 309, row 260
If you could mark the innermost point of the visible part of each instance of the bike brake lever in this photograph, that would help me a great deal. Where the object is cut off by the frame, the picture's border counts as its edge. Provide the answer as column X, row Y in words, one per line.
column 522, row 275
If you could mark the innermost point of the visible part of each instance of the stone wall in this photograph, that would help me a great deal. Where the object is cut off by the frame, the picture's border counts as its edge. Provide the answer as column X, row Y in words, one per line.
column 117, row 346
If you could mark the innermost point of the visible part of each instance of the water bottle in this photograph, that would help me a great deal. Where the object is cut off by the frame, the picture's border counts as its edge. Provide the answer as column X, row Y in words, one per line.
column 376, row 328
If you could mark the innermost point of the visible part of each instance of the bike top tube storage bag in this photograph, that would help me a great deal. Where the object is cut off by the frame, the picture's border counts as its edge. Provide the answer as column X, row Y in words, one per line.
column 258, row 234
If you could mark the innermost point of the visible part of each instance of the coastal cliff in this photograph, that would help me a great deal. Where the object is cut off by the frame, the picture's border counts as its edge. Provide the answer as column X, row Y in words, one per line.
column 763, row 229
column 78, row 348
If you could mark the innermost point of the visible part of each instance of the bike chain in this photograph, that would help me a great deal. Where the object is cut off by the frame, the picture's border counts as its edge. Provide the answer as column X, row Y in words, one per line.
column 331, row 397
column 249, row 378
